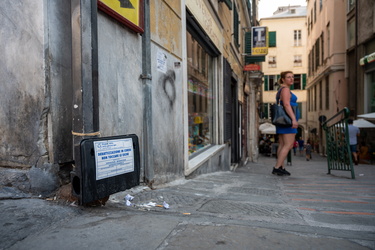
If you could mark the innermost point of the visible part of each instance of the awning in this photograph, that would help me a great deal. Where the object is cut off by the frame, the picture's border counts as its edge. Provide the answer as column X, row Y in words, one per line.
column 367, row 59
column 269, row 131
column 267, row 128
column 369, row 116
column 362, row 123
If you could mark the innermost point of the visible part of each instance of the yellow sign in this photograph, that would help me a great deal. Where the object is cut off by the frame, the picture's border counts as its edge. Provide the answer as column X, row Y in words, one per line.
column 125, row 11
column 259, row 40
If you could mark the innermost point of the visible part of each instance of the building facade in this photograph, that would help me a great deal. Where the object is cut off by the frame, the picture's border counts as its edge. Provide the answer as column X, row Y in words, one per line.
column 360, row 62
column 360, row 30
column 326, row 83
column 287, row 51
column 173, row 76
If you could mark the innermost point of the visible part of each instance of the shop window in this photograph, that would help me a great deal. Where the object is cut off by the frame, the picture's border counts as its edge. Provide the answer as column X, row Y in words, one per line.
column 200, row 96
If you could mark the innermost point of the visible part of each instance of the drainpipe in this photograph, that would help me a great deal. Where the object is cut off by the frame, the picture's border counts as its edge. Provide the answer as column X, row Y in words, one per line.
column 148, row 154
column 84, row 80
column 355, row 88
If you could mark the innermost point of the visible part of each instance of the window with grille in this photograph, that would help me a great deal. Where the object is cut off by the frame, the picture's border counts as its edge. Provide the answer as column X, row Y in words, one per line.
column 298, row 61
column 272, row 62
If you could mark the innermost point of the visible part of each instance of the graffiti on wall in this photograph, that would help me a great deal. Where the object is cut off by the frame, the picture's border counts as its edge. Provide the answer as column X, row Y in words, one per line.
column 167, row 82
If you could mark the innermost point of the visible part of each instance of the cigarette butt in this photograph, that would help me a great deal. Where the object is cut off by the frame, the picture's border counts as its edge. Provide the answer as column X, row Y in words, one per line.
column 158, row 205
column 186, row 213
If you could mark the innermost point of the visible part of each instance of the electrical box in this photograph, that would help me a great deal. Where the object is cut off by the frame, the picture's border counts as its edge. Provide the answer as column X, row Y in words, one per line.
column 108, row 165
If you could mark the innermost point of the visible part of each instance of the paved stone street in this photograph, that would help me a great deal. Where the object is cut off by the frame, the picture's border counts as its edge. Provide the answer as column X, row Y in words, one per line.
column 248, row 208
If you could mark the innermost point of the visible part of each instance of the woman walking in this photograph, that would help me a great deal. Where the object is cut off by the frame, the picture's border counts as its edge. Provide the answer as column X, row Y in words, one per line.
column 286, row 135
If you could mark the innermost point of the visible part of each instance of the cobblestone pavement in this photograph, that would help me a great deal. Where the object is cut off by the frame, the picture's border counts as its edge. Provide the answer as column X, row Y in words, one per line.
column 248, row 208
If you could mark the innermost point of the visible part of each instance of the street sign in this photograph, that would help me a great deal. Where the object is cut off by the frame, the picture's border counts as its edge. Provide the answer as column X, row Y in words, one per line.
column 259, row 38
column 251, row 67
column 128, row 12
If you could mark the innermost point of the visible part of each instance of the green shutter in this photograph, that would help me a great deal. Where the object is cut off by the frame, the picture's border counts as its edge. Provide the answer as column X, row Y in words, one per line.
column 251, row 59
column 235, row 24
column 228, row 3
column 266, row 111
column 272, row 39
column 303, row 81
column 265, row 83
column 292, row 87
column 248, row 42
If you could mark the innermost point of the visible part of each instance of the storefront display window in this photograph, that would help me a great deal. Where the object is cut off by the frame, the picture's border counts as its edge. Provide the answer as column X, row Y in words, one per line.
column 200, row 96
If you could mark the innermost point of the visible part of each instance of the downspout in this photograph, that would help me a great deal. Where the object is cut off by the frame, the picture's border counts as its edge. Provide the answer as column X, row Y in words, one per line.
column 356, row 61
column 84, row 80
column 148, row 154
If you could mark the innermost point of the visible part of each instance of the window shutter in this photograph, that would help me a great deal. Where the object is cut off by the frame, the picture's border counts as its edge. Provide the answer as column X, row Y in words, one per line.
column 272, row 39
column 265, row 83
column 251, row 59
column 236, row 24
column 227, row 72
column 303, row 81
column 228, row 3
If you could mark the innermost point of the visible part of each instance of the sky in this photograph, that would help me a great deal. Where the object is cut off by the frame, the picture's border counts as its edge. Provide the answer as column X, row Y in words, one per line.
column 267, row 7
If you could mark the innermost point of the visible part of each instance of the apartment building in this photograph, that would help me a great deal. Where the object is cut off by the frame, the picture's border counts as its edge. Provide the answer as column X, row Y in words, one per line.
column 287, row 51
column 327, row 88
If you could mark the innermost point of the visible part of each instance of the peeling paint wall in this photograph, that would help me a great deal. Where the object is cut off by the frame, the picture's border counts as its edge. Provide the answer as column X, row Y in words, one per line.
column 120, row 86
column 35, row 83
column 168, row 122
column 23, row 84
column 167, row 84
column 166, row 25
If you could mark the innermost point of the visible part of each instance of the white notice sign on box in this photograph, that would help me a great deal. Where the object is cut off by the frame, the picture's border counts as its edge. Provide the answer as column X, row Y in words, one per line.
column 113, row 157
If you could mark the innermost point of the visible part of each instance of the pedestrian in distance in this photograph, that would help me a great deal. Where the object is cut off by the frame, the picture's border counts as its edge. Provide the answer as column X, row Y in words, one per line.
column 301, row 144
column 295, row 146
column 286, row 134
column 308, row 150
column 354, row 132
